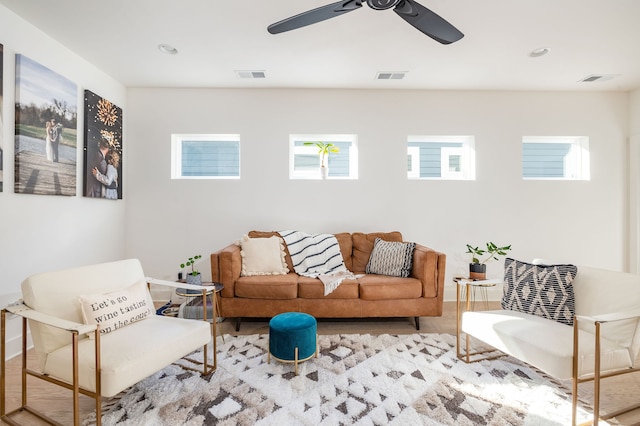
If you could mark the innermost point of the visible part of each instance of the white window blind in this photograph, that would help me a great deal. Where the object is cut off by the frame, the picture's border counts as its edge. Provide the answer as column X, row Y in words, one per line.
column 205, row 156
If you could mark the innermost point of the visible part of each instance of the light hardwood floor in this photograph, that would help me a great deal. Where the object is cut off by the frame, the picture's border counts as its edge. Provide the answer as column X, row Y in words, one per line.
column 616, row 392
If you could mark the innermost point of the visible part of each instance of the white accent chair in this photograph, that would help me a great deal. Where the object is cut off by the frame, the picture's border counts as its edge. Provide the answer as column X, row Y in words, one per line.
column 603, row 342
column 105, row 364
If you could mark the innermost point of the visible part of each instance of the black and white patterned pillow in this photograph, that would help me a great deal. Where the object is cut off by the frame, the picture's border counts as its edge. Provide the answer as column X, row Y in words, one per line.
column 542, row 290
column 391, row 258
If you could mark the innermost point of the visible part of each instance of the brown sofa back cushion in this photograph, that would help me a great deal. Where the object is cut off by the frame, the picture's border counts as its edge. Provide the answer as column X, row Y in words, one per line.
column 363, row 246
column 346, row 248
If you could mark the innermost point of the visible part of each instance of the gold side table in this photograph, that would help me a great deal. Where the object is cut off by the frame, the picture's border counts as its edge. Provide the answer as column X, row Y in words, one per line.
column 466, row 292
column 215, row 307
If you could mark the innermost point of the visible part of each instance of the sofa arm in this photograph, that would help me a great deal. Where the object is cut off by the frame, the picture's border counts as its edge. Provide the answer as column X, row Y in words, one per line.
column 226, row 265
column 24, row 311
column 429, row 268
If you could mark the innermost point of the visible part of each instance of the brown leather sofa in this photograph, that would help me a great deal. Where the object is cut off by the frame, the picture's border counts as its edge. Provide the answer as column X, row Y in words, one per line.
column 370, row 296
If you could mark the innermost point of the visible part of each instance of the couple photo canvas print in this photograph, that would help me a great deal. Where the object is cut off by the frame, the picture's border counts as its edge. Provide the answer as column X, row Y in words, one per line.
column 103, row 148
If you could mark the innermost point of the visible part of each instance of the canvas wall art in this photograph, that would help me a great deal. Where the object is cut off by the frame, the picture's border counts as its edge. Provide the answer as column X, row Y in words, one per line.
column 46, row 130
column 102, row 148
column 1, row 121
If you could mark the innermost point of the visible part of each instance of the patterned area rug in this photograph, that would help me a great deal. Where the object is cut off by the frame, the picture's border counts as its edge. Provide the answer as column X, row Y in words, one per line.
column 357, row 379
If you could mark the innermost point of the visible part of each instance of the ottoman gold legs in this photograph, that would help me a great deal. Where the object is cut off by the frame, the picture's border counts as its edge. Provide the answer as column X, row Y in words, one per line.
column 295, row 359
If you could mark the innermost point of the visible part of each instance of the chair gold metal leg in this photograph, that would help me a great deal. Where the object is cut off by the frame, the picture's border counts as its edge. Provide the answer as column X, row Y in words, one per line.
column 295, row 352
column 98, row 364
column 458, row 321
column 76, row 384
column 596, row 378
column 574, row 374
column 24, row 362
column 3, row 356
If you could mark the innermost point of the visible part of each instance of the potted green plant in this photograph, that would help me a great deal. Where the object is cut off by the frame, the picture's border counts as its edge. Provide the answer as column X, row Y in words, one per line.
column 194, row 276
column 480, row 257
column 324, row 149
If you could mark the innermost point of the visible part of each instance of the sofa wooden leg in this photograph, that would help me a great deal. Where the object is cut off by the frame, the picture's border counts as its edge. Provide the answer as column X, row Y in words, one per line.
column 238, row 320
column 417, row 323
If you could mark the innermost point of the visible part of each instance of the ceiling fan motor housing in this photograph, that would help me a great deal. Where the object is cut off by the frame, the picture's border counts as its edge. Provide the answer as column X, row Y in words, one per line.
column 382, row 4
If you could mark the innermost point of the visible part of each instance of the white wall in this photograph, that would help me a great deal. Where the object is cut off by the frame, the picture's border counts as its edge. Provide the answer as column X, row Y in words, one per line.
column 37, row 232
column 583, row 222
column 634, row 181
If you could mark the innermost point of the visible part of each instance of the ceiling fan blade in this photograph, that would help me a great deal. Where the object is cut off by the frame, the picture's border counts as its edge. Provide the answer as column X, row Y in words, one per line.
column 428, row 22
column 316, row 15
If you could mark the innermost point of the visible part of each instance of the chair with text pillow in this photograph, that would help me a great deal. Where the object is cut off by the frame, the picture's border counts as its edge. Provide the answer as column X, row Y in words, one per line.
column 95, row 332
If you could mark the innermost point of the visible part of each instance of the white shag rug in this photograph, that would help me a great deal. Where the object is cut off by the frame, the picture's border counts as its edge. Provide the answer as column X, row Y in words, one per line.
column 411, row 379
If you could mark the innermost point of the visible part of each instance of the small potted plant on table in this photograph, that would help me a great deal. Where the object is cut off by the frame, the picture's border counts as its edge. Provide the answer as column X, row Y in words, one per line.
column 478, row 267
column 194, row 276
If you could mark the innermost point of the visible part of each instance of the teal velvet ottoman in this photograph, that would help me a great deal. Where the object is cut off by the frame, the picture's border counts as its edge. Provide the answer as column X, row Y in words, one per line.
column 293, row 337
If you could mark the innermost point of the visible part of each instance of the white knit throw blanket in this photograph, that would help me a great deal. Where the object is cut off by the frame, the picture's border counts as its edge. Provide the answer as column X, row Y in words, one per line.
column 317, row 256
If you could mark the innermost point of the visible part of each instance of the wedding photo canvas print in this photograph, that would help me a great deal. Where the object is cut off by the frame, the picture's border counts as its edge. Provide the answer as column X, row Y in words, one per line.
column 102, row 148
column 46, row 130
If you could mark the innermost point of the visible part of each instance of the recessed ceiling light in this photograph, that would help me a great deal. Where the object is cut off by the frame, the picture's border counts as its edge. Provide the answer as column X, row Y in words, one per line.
column 168, row 49
column 539, row 52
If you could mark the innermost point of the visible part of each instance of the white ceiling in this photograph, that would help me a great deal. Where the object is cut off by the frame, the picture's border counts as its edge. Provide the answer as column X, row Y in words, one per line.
column 215, row 38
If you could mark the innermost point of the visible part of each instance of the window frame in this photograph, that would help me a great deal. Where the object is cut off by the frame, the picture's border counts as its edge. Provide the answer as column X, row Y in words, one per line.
column 579, row 160
column 312, row 150
column 176, row 152
column 467, row 152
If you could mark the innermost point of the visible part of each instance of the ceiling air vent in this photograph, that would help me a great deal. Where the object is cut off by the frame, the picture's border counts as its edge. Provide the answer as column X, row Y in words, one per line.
column 598, row 77
column 391, row 75
column 251, row 74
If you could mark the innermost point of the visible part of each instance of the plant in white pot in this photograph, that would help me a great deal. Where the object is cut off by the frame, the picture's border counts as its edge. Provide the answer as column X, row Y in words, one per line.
column 194, row 276
column 480, row 257
column 324, row 149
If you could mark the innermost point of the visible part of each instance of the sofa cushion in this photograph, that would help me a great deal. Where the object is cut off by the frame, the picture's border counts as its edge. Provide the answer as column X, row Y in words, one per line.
column 267, row 287
column 542, row 290
column 363, row 245
column 383, row 287
column 263, row 256
column 391, row 258
column 313, row 288
column 267, row 234
column 116, row 309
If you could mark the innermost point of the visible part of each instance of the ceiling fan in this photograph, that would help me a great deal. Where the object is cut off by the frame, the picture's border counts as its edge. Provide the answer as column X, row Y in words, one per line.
column 411, row 11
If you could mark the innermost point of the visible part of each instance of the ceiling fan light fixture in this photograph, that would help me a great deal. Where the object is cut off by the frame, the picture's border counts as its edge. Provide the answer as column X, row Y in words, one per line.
column 540, row 52
column 168, row 49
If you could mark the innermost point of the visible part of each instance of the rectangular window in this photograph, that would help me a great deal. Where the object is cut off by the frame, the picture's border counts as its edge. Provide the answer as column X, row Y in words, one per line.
column 205, row 156
column 555, row 157
column 305, row 158
column 441, row 157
